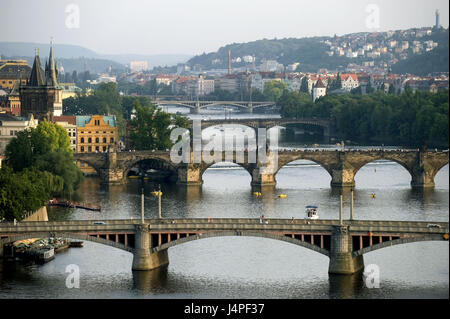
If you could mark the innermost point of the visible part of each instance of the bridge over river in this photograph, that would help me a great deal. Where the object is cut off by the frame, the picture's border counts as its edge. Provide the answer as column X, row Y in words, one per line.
column 113, row 167
column 196, row 106
column 343, row 241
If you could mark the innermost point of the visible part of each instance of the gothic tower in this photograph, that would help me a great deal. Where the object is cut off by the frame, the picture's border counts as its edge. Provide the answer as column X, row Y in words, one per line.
column 42, row 96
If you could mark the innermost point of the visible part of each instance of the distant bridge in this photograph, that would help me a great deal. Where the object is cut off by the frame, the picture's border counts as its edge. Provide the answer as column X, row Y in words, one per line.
column 268, row 123
column 344, row 243
column 196, row 106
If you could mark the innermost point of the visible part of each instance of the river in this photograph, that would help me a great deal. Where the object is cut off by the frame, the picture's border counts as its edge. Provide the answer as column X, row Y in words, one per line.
column 247, row 267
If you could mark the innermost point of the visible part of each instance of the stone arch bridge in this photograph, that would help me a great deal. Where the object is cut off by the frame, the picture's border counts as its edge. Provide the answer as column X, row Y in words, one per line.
column 342, row 166
column 344, row 243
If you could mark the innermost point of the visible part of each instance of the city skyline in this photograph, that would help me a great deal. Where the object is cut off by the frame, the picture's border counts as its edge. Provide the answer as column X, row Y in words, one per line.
column 194, row 27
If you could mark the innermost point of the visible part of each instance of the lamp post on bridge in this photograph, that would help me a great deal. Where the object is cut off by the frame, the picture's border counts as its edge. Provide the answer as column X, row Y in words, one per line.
column 142, row 205
column 352, row 216
column 159, row 202
column 158, row 193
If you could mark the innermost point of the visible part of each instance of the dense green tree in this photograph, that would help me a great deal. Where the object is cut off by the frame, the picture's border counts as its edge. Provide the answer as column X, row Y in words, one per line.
column 273, row 90
column 47, row 149
column 406, row 119
column 25, row 192
column 304, row 85
column 150, row 129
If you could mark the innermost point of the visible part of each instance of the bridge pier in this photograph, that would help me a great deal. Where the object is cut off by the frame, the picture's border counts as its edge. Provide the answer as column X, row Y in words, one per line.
column 342, row 178
column 341, row 260
column 143, row 258
column 112, row 175
column 189, row 174
column 261, row 178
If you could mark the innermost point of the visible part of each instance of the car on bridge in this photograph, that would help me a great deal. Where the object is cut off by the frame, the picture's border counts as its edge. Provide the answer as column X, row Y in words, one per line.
column 98, row 223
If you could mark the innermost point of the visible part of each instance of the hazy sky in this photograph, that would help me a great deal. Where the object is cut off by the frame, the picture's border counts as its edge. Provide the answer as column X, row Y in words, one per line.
column 197, row 26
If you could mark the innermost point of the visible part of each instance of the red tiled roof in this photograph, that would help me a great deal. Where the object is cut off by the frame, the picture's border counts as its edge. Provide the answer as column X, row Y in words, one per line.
column 346, row 76
column 71, row 119
column 319, row 84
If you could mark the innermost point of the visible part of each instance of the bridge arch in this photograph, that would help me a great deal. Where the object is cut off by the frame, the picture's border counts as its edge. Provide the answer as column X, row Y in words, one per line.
column 81, row 165
column 404, row 240
column 440, row 172
column 282, row 163
column 155, row 162
column 245, row 234
column 388, row 157
column 85, row 237
column 205, row 166
column 397, row 163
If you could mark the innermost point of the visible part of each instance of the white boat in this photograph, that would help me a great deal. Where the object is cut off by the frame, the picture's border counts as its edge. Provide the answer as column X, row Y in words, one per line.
column 311, row 212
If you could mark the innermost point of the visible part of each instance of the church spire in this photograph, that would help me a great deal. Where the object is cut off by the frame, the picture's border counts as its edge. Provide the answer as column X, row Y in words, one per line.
column 36, row 78
column 51, row 75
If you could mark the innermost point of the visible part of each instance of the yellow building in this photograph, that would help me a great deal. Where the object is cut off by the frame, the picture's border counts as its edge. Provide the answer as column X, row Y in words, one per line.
column 95, row 133
column 13, row 70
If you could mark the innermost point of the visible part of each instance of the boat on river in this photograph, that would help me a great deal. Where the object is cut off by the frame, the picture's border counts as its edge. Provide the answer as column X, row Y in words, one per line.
column 311, row 212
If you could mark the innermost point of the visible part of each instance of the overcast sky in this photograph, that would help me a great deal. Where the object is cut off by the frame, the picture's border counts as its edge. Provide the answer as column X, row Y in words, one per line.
column 197, row 26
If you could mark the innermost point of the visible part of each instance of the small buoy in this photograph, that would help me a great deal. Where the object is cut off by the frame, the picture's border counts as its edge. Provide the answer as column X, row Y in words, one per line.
column 257, row 193
column 282, row 196
column 373, row 195
column 446, row 236
column 375, row 169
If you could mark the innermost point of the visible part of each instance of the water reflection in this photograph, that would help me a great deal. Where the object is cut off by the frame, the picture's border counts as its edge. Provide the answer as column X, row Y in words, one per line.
column 148, row 282
column 345, row 286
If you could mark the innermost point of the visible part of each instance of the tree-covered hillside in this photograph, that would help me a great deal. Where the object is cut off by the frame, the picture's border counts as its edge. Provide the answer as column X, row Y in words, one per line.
column 433, row 61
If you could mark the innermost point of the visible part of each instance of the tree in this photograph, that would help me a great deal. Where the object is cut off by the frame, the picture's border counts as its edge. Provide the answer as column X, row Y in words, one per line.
column 304, row 85
column 24, row 192
column 274, row 89
column 47, row 149
column 150, row 129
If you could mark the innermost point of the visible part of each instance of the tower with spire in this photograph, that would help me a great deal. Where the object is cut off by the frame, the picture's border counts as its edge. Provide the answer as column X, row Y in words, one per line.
column 42, row 96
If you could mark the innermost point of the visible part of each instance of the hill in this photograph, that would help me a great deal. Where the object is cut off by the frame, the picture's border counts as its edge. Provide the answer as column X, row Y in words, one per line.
column 428, row 62
column 74, row 57
column 322, row 52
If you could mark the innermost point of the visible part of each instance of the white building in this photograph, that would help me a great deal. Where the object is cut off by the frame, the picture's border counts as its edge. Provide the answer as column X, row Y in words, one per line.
column 11, row 125
column 138, row 66
column 349, row 81
column 319, row 90
column 271, row 66
column 68, row 122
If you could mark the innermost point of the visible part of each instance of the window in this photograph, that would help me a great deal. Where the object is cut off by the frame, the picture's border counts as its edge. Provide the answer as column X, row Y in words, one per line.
column 89, row 149
column 89, row 140
column 104, row 140
column 82, row 148
column 96, row 140
column 97, row 148
column 112, row 140
column 82, row 140
column 73, row 142
column 104, row 148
